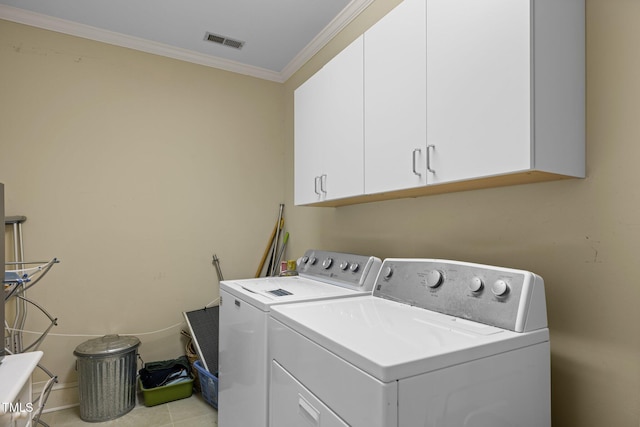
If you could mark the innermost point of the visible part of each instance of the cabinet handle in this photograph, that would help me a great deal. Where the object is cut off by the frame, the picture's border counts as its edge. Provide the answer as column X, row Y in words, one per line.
column 323, row 181
column 429, row 148
column 415, row 171
column 315, row 185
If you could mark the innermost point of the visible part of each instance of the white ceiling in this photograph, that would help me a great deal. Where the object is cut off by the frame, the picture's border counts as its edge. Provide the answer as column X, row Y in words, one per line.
column 279, row 35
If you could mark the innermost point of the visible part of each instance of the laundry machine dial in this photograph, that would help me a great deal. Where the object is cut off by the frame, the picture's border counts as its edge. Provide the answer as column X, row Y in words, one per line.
column 354, row 267
column 327, row 263
column 500, row 288
column 387, row 272
column 313, row 260
column 434, row 278
column 344, row 265
column 476, row 284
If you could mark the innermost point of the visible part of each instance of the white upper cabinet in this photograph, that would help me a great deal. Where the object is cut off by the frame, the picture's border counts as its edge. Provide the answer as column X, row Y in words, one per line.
column 479, row 85
column 308, row 140
column 329, row 134
column 458, row 95
column 395, row 59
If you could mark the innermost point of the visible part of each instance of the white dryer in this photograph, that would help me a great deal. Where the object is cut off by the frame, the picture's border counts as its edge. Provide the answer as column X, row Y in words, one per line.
column 438, row 344
column 244, row 309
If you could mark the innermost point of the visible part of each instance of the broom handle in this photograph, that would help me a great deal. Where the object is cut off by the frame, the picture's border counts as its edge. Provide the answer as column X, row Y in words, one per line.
column 266, row 250
column 274, row 249
column 273, row 261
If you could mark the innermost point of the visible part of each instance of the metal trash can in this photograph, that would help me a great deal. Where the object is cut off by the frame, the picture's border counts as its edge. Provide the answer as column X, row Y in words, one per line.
column 107, row 376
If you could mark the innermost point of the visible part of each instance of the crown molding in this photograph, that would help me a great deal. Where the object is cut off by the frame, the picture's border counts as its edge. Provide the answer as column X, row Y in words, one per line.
column 21, row 16
column 348, row 14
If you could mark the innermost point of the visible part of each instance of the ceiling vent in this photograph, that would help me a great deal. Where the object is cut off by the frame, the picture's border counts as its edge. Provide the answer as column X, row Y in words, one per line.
column 223, row 40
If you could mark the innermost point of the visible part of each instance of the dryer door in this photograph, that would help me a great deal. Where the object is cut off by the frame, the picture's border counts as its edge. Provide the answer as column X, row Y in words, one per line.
column 292, row 405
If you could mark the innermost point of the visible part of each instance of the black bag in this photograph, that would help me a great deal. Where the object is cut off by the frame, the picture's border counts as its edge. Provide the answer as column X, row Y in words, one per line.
column 157, row 374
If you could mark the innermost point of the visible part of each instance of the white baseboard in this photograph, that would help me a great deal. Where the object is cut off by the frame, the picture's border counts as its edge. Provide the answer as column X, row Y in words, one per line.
column 62, row 396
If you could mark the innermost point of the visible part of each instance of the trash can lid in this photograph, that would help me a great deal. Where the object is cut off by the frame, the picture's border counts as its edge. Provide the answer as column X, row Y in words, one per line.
column 107, row 345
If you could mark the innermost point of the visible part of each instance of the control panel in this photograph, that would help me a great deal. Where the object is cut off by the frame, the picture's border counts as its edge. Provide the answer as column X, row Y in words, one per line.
column 506, row 298
column 348, row 270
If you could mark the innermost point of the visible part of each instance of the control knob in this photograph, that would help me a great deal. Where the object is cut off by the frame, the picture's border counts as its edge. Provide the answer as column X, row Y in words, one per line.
column 354, row 267
column 500, row 288
column 344, row 265
column 387, row 272
column 327, row 263
column 313, row 260
column 476, row 284
column 434, row 278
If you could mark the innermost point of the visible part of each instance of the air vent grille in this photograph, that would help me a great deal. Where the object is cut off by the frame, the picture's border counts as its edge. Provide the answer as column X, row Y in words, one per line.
column 223, row 40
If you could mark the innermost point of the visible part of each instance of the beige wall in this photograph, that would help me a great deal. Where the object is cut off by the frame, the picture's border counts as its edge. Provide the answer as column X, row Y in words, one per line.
column 134, row 169
column 582, row 236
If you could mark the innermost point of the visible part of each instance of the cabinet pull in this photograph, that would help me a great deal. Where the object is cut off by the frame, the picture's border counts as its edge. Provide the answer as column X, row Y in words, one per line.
column 315, row 185
column 415, row 171
column 429, row 148
column 323, row 181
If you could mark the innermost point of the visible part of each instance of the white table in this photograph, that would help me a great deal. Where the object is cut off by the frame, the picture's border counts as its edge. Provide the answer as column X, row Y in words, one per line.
column 15, row 388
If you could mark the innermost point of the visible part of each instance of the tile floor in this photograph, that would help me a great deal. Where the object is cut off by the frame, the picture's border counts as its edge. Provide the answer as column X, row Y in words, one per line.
column 193, row 411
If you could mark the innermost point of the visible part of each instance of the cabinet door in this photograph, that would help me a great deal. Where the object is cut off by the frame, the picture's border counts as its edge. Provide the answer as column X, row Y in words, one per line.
column 478, row 88
column 395, row 100
column 308, row 107
column 329, row 133
column 342, row 142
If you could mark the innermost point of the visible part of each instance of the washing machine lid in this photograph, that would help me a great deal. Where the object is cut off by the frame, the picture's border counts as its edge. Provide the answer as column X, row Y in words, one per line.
column 267, row 291
column 391, row 340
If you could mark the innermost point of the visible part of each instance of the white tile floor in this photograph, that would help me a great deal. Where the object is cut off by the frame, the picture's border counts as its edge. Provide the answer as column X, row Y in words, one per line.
column 193, row 411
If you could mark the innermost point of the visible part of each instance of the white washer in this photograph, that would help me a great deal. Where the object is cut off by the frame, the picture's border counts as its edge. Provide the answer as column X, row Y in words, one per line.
column 438, row 344
column 244, row 309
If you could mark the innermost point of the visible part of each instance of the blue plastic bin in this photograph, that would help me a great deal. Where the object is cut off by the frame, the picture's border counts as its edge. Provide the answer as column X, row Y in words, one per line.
column 208, row 384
